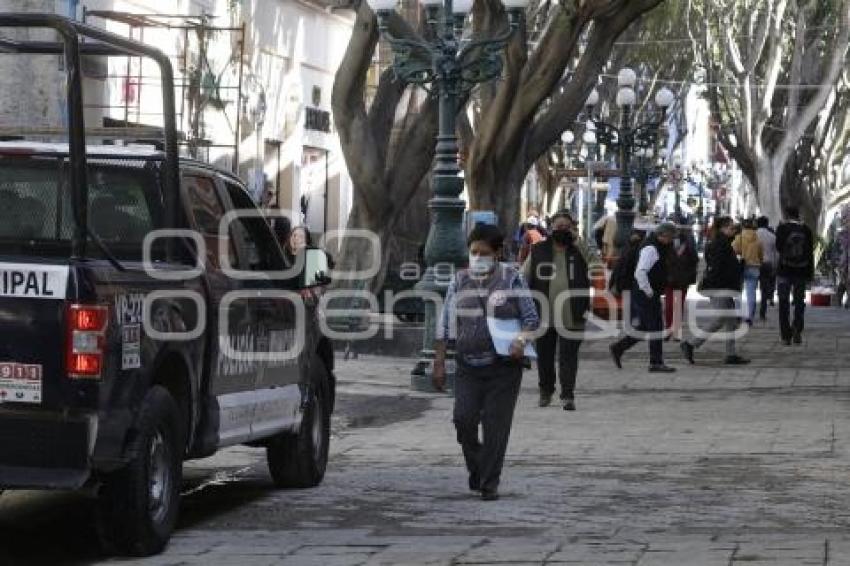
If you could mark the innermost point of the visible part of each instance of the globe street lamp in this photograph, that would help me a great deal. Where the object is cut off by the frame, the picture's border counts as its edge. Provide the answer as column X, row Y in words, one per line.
column 625, row 139
column 566, row 157
column 447, row 66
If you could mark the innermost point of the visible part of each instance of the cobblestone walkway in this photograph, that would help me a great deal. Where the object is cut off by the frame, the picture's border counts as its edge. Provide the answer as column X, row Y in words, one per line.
column 708, row 466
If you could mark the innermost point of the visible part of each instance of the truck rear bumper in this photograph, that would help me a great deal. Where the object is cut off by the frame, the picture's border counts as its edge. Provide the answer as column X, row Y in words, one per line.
column 15, row 477
column 45, row 450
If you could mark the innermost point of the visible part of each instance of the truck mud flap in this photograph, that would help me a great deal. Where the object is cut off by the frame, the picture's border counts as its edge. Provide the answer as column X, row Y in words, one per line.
column 44, row 451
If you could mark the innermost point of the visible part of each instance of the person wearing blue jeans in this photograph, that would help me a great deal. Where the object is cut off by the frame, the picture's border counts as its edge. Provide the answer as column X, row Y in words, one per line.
column 751, row 282
column 748, row 246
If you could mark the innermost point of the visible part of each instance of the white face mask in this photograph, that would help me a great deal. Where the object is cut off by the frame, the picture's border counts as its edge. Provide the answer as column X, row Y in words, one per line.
column 481, row 265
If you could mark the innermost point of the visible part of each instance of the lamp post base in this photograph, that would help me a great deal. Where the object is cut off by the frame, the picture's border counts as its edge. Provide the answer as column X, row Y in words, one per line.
column 445, row 252
column 421, row 376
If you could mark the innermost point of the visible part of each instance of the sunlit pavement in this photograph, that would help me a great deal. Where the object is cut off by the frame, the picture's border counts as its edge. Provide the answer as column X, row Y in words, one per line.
column 711, row 465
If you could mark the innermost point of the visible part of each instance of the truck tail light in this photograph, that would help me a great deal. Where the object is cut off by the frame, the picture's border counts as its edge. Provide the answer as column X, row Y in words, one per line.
column 86, row 340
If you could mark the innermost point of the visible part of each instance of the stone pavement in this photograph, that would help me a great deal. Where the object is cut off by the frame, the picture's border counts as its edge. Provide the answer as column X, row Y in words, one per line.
column 712, row 465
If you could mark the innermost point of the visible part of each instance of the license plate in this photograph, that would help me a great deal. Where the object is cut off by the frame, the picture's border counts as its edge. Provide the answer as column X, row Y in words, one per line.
column 20, row 383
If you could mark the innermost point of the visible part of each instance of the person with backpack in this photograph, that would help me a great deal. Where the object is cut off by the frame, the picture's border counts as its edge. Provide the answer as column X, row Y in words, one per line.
column 770, row 261
column 721, row 283
column 795, row 243
column 650, row 277
column 682, row 266
column 623, row 275
column 555, row 267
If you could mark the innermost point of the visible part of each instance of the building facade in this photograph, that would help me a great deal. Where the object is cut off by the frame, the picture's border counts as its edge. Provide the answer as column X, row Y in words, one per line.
column 253, row 82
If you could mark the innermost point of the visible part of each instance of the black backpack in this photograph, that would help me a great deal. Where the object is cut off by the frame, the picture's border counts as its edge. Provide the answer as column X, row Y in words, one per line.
column 795, row 250
column 623, row 275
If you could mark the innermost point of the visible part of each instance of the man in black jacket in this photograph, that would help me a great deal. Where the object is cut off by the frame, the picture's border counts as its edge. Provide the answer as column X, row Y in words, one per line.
column 721, row 283
column 650, row 280
column 795, row 243
column 556, row 267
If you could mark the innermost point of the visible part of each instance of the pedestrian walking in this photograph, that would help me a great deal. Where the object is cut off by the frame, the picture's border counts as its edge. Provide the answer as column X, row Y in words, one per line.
column 795, row 243
column 645, row 306
column 770, row 261
column 558, row 269
column 605, row 232
column 721, row 282
column 486, row 384
column 748, row 246
column 532, row 235
column 682, row 267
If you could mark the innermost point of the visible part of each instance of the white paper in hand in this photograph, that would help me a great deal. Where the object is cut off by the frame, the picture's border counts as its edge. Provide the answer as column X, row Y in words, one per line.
column 503, row 332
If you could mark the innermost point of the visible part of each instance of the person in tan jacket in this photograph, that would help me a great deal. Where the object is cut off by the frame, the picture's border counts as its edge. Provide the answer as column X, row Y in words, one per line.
column 748, row 247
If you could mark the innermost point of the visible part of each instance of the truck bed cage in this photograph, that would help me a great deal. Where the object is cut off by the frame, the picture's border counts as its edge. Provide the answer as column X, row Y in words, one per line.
column 100, row 43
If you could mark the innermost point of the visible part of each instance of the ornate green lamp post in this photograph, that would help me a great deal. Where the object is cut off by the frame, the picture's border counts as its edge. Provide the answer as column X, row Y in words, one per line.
column 648, row 167
column 448, row 67
column 625, row 139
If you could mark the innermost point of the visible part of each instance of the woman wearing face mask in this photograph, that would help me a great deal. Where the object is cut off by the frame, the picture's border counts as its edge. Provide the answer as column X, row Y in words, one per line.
column 486, row 384
column 556, row 267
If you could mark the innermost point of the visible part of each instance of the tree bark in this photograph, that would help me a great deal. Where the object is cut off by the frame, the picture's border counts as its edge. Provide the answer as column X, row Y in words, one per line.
column 514, row 132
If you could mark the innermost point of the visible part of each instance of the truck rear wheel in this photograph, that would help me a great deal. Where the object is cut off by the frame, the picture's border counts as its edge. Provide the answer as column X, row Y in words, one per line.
column 138, row 505
column 300, row 459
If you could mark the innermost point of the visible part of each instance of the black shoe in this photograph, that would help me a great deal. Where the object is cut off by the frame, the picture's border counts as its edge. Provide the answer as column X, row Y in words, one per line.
column 786, row 341
column 617, row 355
column 736, row 361
column 569, row 405
column 749, row 322
column 688, row 352
column 798, row 338
column 474, row 482
column 489, row 495
column 545, row 399
column 661, row 368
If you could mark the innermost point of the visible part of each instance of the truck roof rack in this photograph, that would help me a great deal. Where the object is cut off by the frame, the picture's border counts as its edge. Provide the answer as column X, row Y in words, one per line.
column 79, row 39
column 136, row 133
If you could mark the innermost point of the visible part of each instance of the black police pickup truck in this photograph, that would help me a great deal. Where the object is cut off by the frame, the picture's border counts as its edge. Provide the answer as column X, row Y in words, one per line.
column 147, row 316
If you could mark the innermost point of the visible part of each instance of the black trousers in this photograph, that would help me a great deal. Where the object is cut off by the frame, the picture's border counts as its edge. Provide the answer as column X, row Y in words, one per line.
column 485, row 397
column 567, row 350
column 767, row 283
column 650, row 319
column 789, row 287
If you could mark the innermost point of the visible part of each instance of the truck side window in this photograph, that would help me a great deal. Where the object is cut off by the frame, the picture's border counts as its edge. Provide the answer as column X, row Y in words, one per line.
column 207, row 211
column 263, row 250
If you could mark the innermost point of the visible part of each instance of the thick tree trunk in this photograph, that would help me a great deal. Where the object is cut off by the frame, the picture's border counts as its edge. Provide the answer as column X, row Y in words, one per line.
column 768, row 178
column 360, row 254
column 499, row 191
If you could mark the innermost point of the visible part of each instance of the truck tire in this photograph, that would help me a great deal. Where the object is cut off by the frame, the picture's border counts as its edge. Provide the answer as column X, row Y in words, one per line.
column 300, row 459
column 138, row 505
